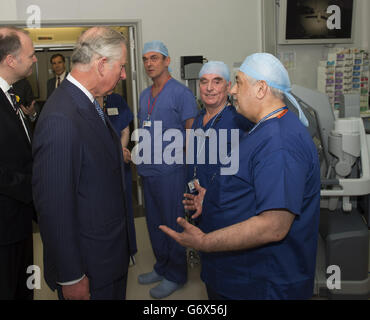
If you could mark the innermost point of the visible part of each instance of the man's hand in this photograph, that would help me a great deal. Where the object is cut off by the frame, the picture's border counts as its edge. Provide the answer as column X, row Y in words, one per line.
column 30, row 110
column 191, row 237
column 195, row 202
column 126, row 155
column 77, row 291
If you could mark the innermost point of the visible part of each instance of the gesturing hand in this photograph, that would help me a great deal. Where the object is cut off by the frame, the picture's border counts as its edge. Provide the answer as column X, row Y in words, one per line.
column 30, row 110
column 191, row 237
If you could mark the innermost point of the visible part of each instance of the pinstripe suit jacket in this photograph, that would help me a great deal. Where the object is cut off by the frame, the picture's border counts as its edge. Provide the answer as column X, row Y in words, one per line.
column 79, row 191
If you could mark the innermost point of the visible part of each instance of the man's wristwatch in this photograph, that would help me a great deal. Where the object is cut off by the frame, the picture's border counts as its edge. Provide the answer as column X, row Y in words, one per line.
column 33, row 117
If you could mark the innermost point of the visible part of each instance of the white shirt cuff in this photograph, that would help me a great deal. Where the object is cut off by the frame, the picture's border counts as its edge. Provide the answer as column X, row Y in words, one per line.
column 70, row 282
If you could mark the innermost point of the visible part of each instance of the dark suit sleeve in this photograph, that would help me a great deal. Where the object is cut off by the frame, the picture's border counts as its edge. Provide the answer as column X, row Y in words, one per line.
column 24, row 90
column 57, row 161
column 28, row 94
column 15, row 185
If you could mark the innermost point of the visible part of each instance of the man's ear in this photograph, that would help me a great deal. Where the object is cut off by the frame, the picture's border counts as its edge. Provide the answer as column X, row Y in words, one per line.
column 102, row 65
column 261, row 89
column 10, row 61
column 168, row 61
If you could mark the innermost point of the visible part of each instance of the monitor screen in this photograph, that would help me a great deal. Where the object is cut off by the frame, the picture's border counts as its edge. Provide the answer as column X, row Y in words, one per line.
column 316, row 21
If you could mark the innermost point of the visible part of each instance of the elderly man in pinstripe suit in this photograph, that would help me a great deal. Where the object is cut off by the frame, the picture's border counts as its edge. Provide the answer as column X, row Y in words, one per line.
column 78, row 178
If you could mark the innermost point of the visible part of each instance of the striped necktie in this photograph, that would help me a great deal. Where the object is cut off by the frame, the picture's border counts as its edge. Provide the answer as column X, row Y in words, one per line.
column 99, row 110
column 13, row 97
column 19, row 112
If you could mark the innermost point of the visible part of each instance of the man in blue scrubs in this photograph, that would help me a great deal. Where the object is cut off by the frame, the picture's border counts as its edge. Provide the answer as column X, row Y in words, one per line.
column 212, row 131
column 173, row 106
column 218, row 117
column 260, row 226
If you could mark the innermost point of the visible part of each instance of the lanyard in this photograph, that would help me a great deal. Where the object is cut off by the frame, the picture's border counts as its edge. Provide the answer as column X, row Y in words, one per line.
column 258, row 123
column 150, row 110
column 265, row 117
column 206, row 135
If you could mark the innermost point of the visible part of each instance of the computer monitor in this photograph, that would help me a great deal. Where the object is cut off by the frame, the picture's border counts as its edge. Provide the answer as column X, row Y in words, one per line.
column 316, row 21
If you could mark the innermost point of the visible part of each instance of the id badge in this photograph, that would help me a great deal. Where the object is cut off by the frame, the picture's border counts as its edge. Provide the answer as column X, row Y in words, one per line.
column 112, row 111
column 191, row 185
column 147, row 124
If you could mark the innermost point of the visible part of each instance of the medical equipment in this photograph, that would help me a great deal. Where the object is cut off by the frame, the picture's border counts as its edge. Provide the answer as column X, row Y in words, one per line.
column 342, row 266
column 190, row 67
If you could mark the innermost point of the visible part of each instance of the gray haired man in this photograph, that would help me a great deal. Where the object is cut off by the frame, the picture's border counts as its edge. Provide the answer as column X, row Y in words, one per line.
column 78, row 176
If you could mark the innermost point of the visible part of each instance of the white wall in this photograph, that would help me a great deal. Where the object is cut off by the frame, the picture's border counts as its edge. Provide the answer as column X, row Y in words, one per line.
column 8, row 10
column 216, row 29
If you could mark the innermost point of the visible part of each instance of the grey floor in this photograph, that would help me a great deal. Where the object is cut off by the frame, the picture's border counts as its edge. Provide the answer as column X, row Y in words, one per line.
column 193, row 290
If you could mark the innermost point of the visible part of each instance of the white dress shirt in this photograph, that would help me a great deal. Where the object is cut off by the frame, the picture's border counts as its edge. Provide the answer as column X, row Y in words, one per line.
column 61, row 77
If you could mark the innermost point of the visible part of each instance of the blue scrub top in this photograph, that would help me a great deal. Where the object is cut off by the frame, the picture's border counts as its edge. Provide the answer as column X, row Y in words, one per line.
column 173, row 106
column 124, row 116
column 279, row 169
column 227, row 119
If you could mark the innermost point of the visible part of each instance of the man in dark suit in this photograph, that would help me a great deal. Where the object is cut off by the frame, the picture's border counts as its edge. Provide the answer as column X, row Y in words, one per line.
column 17, row 56
column 78, row 179
column 58, row 64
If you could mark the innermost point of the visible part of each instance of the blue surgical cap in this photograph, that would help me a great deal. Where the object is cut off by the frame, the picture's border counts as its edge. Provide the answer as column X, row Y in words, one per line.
column 155, row 46
column 265, row 66
column 215, row 67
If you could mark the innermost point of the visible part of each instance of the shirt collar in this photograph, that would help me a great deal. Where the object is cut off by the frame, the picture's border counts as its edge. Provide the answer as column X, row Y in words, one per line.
column 81, row 87
column 4, row 85
column 62, row 75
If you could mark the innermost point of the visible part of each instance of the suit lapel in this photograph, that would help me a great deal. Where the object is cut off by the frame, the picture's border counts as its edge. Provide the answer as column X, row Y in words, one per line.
column 8, row 109
column 87, row 110
column 51, row 85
